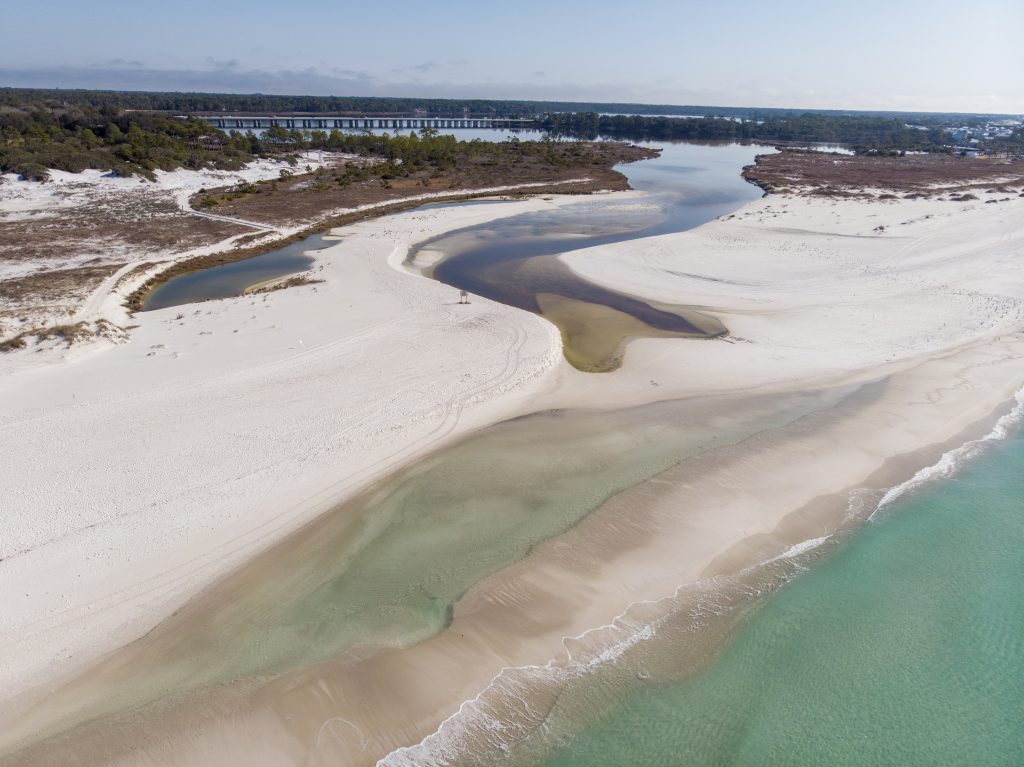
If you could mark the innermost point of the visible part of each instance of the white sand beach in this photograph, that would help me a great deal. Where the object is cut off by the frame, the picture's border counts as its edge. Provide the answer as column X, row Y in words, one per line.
column 136, row 474
column 149, row 467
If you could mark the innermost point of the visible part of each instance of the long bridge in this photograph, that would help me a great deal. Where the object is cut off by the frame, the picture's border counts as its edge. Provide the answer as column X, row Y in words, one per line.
column 327, row 122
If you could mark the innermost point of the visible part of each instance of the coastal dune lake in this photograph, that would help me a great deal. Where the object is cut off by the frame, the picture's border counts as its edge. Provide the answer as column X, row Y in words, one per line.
column 387, row 569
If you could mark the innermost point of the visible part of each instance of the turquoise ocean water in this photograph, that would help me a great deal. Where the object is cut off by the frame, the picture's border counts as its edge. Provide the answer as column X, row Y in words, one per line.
column 902, row 646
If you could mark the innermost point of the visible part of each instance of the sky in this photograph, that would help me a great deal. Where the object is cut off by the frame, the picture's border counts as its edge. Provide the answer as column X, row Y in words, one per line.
column 911, row 55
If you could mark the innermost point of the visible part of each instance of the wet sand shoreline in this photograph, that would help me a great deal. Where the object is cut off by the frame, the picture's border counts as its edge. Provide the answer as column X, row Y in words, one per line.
column 499, row 616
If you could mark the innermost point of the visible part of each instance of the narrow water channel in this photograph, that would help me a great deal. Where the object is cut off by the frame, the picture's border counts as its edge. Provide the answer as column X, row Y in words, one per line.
column 515, row 260
column 232, row 279
column 386, row 569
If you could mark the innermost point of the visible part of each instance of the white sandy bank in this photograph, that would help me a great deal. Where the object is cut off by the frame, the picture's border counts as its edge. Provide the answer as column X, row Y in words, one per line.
column 918, row 303
column 134, row 474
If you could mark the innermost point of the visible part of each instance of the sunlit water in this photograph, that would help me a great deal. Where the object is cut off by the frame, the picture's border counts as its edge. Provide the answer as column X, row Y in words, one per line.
column 685, row 186
column 903, row 646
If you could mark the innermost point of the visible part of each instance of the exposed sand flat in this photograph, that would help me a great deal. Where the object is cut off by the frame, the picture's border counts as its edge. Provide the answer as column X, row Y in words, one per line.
column 147, row 468
column 911, row 332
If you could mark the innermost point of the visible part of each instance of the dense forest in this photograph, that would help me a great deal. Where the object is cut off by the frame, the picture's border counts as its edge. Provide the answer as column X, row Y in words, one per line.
column 185, row 103
column 34, row 139
column 862, row 133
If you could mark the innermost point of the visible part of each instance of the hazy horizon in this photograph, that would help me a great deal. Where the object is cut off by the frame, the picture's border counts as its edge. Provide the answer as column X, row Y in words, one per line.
column 919, row 58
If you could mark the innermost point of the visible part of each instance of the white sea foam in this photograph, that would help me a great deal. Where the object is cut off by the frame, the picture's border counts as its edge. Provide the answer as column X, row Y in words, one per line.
column 954, row 459
column 473, row 718
column 797, row 549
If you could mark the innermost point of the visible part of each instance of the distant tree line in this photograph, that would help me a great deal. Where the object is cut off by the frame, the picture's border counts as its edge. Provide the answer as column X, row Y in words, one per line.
column 36, row 138
column 404, row 153
column 865, row 133
column 185, row 103
column 412, row 150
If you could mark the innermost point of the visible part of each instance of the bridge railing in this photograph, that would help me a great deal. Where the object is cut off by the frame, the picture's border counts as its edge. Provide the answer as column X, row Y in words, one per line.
column 239, row 122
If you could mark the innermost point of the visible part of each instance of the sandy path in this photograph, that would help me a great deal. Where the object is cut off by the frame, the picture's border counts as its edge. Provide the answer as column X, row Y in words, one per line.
column 182, row 198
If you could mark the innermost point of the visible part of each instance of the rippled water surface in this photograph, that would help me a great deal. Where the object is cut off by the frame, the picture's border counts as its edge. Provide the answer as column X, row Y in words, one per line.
column 905, row 647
